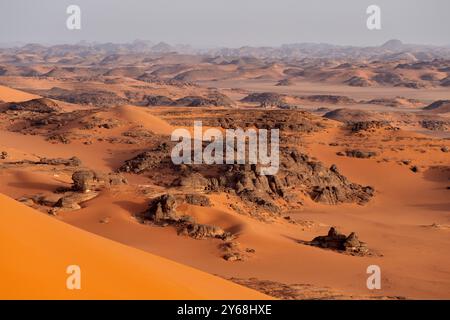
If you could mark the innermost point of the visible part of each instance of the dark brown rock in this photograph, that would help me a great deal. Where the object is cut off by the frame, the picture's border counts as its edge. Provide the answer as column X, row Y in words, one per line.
column 198, row 200
column 338, row 241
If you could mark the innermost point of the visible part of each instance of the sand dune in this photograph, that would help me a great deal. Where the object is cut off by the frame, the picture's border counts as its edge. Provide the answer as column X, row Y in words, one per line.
column 36, row 250
column 12, row 95
column 141, row 117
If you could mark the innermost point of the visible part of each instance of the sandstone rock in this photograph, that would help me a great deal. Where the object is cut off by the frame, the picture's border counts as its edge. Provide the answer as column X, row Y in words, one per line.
column 198, row 200
column 86, row 180
column 266, row 99
column 233, row 256
column 148, row 160
column 195, row 181
column 40, row 105
column 324, row 185
column 162, row 209
column 203, row 231
column 83, row 180
column 72, row 200
column 3, row 155
column 49, row 200
column 338, row 241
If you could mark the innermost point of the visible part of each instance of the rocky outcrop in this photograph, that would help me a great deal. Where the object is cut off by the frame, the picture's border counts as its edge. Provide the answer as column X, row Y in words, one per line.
column 97, row 122
column 338, row 241
column 202, row 231
column 87, row 180
column 372, row 125
column 266, row 99
column 286, row 120
column 41, row 105
column 157, row 100
column 213, row 99
column 148, row 159
column 86, row 97
column 356, row 81
column 198, row 200
column 72, row 200
column 298, row 173
column 435, row 125
column 162, row 211
column 232, row 251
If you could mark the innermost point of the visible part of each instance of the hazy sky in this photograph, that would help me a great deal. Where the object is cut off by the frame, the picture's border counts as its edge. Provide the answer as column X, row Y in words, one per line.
column 229, row 23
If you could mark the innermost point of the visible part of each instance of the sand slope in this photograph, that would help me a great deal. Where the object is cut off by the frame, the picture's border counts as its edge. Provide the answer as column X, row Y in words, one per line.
column 36, row 250
column 139, row 115
column 12, row 95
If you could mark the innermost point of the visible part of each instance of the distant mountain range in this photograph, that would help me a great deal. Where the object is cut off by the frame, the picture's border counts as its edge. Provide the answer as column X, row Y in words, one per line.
column 391, row 50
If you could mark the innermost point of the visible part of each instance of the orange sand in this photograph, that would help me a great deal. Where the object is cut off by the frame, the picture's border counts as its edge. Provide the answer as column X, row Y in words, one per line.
column 36, row 250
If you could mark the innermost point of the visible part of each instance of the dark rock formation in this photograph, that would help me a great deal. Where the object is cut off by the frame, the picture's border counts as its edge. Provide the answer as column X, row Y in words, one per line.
column 213, row 99
column 198, row 200
column 266, row 99
column 359, row 126
column 356, row 81
column 148, row 159
column 435, row 125
column 86, row 180
column 72, row 200
column 203, row 231
column 340, row 242
column 86, row 97
column 297, row 173
column 157, row 100
column 41, row 105
column 356, row 153
column 162, row 211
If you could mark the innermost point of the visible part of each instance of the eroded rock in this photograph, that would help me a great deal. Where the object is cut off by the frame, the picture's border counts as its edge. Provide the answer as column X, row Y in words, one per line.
column 86, row 180
column 338, row 241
